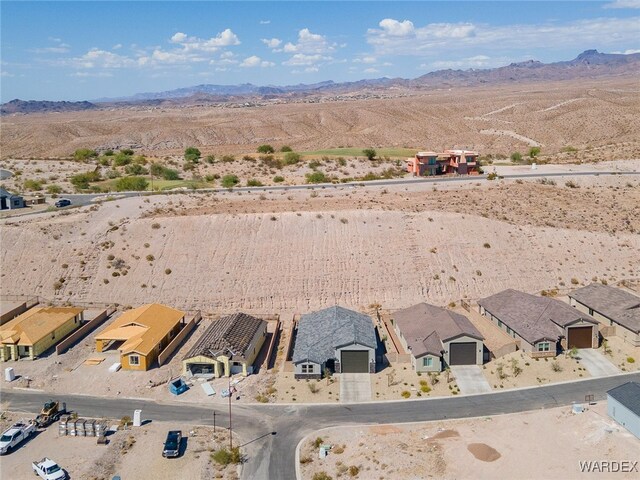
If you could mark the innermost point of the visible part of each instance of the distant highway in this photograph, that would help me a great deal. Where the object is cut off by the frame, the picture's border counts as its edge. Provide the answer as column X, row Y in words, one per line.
column 81, row 199
column 271, row 432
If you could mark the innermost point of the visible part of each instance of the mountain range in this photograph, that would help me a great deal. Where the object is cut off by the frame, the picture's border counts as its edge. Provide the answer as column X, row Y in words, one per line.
column 589, row 64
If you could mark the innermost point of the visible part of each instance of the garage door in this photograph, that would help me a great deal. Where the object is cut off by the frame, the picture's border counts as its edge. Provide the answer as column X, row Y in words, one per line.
column 463, row 353
column 580, row 337
column 355, row 361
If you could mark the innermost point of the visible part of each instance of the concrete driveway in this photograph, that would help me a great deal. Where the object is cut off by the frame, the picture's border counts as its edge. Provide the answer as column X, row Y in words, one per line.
column 355, row 387
column 596, row 363
column 470, row 379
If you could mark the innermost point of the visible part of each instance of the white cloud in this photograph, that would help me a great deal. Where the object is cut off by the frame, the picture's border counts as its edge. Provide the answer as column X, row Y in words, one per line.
column 371, row 70
column 255, row 61
column 395, row 28
column 225, row 38
column 302, row 59
column 272, row 42
column 403, row 38
column 477, row 61
column 117, row 46
column 265, row 22
column 623, row 4
column 96, row 58
column 4, row 73
column 309, row 43
column 629, row 51
column 59, row 47
column 365, row 59
column 91, row 74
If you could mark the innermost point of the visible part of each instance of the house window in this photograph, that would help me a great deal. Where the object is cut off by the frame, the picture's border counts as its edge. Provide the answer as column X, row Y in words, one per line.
column 53, row 335
column 427, row 362
column 134, row 360
column 591, row 311
column 499, row 323
column 307, row 368
column 543, row 346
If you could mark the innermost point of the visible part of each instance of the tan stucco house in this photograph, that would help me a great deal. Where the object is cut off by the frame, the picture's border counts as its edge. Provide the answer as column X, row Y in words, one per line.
column 436, row 337
column 611, row 307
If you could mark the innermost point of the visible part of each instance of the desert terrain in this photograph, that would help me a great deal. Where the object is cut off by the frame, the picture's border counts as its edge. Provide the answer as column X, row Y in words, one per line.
column 575, row 120
column 475, row 448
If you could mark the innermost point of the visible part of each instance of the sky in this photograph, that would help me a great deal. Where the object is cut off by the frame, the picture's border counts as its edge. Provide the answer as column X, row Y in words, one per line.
column 59, row 50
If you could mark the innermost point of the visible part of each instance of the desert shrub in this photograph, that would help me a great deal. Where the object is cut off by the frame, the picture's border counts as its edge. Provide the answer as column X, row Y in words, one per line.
column 354, row 471
column 322, row 476
column 405, row 394
column 111, row 174
column 286, row 148
column 555, row 366
column 546, row 181
column 342, row 162
column 228, row 158
column 229, row 181
column 84, row 154
column 262, row 398
column 266, row 149
column 249, row 158
column 121, row 159
column 278, row 179
column 575, row 281
column 155, row 226
column 571, row 184
column 486, row 245
column 344, row 220
column 135, row 169
column 515, row 367
column 339, row 449
column 33, row 185
column 82, row 180
column 492, row 176
column 314, row 164
column 317, row 442
column 631, row 360
column 136, row 184
column 170, row 174
column 370, row 153
column 54, row 189
column 252, row 182
column 316, row 177
column 291, row 158
column 305, row 460
column 425, row 389
column 192, row 154
column 227, row 457
column 534, row 152
column 150, row 258
column 516, row 157
column 210, row 159
column 167, row 271
column 313, row 387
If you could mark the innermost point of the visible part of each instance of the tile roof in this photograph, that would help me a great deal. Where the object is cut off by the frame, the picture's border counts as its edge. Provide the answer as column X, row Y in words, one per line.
column 533, row 318
column 321, row 332
column 142, row 328
column 614, row 303
column 34, row 324
column 426, row 327
column 233, row 332
column 628, row 394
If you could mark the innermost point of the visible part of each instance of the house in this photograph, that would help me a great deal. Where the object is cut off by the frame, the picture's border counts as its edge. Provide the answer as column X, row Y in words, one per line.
column 437, row 337
column 33, row 332
column 336, row 338
column 460, row 162
column 9, row 201
column 228, row 346
column 542, row 325
column 612, row 307
column 141, row 334
column 623, row 405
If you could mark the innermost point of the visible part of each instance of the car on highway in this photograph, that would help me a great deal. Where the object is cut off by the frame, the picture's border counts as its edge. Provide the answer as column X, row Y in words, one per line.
column 63, row 202
column 172, row 444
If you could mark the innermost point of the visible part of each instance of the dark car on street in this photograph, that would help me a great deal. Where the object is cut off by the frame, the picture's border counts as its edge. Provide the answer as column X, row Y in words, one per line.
column 63, row 202
column 172, row 444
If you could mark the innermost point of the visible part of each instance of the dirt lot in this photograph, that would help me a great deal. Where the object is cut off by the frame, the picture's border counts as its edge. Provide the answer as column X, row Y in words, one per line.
column 476, row 448
column 134, row 454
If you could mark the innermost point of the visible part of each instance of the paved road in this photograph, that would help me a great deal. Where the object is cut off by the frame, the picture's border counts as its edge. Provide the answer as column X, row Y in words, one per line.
column 272, row 456
column 80, row 199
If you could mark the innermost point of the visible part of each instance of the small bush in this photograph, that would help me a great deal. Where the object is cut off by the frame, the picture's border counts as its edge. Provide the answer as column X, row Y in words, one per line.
column 305, row 460
column 487, row 245
column 229, row 181
column 131, row 184
column 54, row 189
column 266, row 149
column 155, row 226
column 286, row 148
column 354, row 471
column 492, row 176
column 405, row 394
column 150, row 258
column 33, row 185
column 226, row 457
column 291, row 158
column 252, row 182
column 278, row 179
column 317, row 442
column 425, row 389
column 555, row 366
column 571, row 184
column 316, row 177
column 322, row 476
column 167, row 271
column 516, row 157
column 631, row 360
column 575, row 281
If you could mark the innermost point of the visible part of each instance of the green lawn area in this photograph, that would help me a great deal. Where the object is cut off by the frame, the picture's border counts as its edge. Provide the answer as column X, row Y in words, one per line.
column 357, row 152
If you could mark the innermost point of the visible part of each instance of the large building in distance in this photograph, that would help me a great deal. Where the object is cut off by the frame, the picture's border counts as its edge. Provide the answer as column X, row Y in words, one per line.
column 449, row 162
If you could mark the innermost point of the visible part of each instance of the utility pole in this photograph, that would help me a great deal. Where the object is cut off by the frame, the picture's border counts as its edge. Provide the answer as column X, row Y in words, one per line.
column 230, row 430
column 214, row 421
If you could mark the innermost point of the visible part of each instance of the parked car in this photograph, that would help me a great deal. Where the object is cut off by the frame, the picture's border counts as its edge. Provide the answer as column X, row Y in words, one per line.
column 15, row 435
column 63, row 202
column 172, row 444
column 49, row 470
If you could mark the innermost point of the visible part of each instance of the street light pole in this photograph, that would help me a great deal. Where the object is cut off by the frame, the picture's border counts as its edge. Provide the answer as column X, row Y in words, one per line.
column 230, row 429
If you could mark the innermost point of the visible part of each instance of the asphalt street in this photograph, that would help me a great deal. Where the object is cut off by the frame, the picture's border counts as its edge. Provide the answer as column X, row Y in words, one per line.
column 271, row 432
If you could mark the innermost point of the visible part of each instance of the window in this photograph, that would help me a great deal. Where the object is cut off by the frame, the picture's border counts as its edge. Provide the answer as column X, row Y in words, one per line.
column 591, row 311
column 53, row 335
column 307, row 368
column 543, row 346
column 134, row 360
column 427, row 362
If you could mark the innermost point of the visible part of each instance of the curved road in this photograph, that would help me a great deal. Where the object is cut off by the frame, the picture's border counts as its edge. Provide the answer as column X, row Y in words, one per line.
column 270, row 433
column 80, row 199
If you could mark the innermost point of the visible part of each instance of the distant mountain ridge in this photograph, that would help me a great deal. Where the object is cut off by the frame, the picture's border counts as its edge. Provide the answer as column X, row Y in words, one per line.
column 589, row 64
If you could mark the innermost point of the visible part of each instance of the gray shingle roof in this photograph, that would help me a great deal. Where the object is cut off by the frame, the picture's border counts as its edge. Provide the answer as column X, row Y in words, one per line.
column 233, row 332
column 628, row 394
column 321, row 332
column 533, row 318
column 426, row 327
column 614, row 303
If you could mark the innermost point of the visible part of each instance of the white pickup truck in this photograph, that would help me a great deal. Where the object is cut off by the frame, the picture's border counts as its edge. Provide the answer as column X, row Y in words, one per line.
column 49, row 470
column 14, row 435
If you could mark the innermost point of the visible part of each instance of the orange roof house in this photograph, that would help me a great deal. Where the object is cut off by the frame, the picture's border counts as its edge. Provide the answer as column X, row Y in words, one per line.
column 141, row 334
column 460, row 162
column 35, row 331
